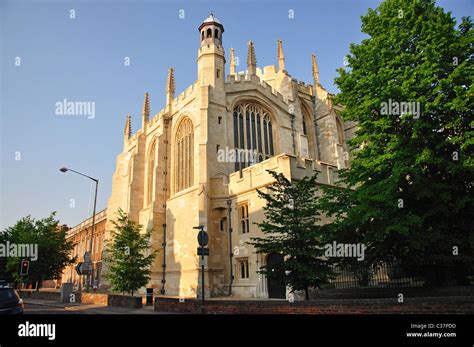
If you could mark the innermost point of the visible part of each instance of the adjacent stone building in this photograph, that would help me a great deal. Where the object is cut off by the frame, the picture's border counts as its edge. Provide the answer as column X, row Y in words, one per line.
column 179, row 170
column 80, row 235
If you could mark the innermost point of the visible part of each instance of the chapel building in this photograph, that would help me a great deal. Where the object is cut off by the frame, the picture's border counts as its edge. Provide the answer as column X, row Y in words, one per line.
column 201, row 159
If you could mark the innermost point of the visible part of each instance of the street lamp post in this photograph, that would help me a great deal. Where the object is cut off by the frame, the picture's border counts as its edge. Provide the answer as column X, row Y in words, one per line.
column 65, row 169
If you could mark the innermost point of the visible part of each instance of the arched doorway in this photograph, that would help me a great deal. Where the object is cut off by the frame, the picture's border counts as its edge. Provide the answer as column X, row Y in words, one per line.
column 276, row 290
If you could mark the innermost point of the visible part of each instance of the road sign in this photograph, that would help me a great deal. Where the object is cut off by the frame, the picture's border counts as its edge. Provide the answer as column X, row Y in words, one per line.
column 203, row 251
column 203, row 238
column 83, row 269
column 79, row 269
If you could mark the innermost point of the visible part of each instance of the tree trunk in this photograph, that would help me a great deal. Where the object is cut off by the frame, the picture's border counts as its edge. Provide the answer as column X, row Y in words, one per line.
column 306, row 293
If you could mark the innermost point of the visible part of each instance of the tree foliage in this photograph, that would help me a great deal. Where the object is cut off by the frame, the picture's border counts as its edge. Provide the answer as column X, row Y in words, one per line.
column 292, row 229
column 126, row 255
column 411, row 175
column 53, row 249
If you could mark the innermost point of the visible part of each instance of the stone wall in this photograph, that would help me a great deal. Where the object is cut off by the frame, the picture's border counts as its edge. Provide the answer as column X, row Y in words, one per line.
column 91, row 298
column 114, row 300
column 40, row 295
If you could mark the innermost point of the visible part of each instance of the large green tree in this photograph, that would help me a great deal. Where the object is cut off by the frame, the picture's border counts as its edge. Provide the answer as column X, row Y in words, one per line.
column 292, row 229
column 53, row 250
column 127, row 255
column 411, row 177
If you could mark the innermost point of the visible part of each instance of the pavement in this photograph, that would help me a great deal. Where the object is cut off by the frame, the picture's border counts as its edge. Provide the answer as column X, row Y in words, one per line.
column 35, row 306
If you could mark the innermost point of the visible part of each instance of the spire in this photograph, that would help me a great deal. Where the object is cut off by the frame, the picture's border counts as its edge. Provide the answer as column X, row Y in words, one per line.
column 170, row 87
column 251, row 59
column 281, row 56
column 146, row 109
column 232, row 62
column 127, row 132
column 314, row 66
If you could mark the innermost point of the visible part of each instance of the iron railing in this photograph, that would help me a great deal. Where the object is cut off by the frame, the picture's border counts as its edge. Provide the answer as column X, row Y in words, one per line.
column 392, row 275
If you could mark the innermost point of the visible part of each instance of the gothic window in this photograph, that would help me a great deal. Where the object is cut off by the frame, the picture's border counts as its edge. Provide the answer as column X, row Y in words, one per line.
column 309, row 132
column 209, row 32
column 216, row 33
column 253, row 132
column 151, row 171
column 184, row 156
column 236, row 136
column 202, row 36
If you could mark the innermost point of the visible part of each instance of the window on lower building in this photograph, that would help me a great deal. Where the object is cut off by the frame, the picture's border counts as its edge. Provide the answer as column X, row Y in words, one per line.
column 244, row 268
column 222, row 224
column 244, row 218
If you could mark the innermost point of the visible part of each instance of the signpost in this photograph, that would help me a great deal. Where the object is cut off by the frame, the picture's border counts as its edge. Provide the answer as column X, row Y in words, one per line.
column 87, row 265
column 203, row 240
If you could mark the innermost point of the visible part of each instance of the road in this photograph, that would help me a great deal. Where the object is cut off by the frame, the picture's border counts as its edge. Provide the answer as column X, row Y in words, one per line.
column 37, row 309
column 31, row 308
column 40, row 309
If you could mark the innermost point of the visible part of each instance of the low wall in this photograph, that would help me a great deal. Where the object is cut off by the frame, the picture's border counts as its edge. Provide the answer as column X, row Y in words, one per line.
column 114, row 300
column 442, row 305
column 91, row 298
column 40, row 295
column 377, row 293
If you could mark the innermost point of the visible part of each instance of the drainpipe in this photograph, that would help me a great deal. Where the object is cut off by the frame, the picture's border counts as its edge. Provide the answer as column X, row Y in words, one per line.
column 313, row 99
column 163, row 280
column 293, row 133
column 229, row 204
column 163, row 265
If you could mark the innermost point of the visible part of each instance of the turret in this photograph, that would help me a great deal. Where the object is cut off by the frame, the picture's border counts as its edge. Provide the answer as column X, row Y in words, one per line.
column 211, row 60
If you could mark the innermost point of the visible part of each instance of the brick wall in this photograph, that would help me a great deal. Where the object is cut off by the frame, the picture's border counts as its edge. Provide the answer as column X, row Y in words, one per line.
column 453, row 305
column 124, row 301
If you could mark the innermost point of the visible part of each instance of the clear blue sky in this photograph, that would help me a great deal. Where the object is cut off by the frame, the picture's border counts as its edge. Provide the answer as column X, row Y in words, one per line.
column 82, row 60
